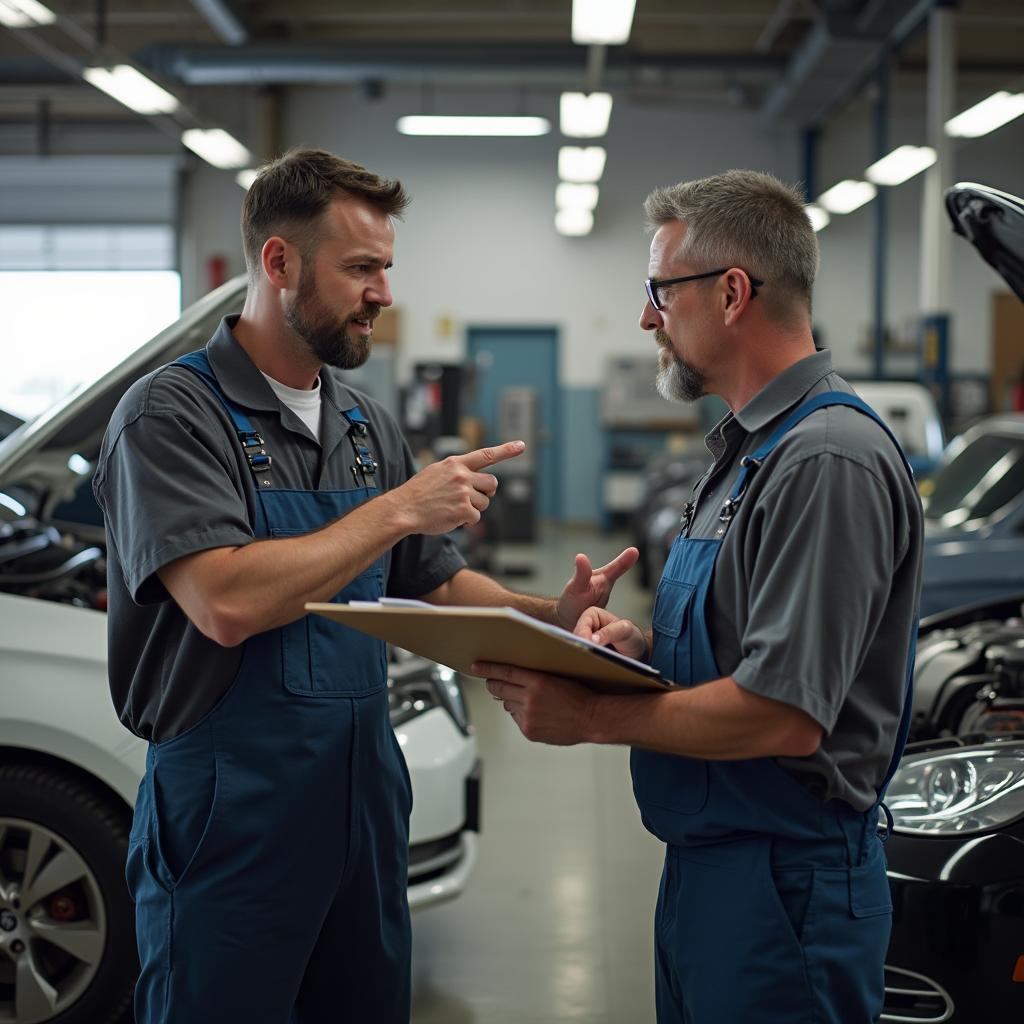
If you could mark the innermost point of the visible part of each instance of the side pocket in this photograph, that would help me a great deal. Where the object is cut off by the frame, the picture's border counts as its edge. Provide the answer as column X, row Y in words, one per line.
column 185, row 785
column 870, row 895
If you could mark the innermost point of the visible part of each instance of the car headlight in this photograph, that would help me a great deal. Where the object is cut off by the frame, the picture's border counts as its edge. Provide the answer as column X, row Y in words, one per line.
column 953, row 792
column 416, row 685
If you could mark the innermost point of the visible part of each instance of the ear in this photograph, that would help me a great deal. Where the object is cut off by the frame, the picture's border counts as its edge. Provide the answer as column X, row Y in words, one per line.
column 736, row 295
column 281, row 263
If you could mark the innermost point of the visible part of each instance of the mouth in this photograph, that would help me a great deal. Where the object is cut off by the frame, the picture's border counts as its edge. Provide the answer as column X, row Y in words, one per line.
column 363, row 325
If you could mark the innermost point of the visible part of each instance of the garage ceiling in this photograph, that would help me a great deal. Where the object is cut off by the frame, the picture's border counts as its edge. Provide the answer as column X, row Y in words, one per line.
column 794, row 60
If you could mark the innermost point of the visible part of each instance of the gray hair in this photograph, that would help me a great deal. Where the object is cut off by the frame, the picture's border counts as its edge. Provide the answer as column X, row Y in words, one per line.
column 749, row 220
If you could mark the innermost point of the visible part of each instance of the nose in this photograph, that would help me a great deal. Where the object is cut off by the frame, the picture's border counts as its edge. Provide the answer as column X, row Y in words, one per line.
column 650, row 318
column 378, row 291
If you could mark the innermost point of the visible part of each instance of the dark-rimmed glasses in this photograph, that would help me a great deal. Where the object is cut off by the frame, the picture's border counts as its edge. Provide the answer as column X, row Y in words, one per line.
column 652, row 284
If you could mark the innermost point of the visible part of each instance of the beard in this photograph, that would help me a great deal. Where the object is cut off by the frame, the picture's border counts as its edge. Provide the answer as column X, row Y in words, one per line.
column 318, row 327
column 677, row 380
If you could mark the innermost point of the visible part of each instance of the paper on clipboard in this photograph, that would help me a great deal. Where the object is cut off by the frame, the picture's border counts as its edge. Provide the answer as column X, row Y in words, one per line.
column 458, row 636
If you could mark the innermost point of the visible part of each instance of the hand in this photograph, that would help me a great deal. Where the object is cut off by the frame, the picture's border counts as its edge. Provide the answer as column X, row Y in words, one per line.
column 591, row 587
column 452, row 492
column 600, row 626
column 547, row 709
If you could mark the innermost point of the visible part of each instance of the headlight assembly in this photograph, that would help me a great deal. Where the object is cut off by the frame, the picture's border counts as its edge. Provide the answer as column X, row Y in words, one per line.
column 416, row 685
column 955, row 792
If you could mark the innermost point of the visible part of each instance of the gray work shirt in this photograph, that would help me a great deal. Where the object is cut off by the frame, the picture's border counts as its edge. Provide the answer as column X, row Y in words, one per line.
column 817, row 580
column 172, row 480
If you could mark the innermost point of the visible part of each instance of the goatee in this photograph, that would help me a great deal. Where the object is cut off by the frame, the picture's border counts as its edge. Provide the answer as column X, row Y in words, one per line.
column 677, row 380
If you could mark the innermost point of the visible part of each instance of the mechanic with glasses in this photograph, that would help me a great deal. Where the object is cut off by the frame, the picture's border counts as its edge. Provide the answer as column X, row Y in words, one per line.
column 268, row 852
column 786, row 614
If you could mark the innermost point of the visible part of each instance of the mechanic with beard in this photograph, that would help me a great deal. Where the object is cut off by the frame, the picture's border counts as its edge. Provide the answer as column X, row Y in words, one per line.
column 268, row 853
column 786, row 613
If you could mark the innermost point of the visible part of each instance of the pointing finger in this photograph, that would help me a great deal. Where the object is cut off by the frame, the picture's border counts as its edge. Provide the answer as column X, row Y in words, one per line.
column 484, row 457
column 620, row 564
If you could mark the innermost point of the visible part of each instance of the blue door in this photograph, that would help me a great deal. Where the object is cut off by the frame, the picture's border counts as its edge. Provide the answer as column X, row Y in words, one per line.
column 519, row 357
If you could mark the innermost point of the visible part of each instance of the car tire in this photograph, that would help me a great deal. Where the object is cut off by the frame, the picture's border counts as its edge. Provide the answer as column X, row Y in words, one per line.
column 81, row 822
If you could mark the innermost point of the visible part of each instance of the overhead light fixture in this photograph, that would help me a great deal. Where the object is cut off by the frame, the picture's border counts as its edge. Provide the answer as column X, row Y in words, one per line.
column 572, row 196
column 574, row 221
column 581, row 163
column 602, row 22
column 986, row 116
column 847, row 196
column 132, row 88
column 899, row 165
column 247, row 177
column 439, row 124
column 583, row 116
column 217, row 147
column 25, row 14
column 818, row 217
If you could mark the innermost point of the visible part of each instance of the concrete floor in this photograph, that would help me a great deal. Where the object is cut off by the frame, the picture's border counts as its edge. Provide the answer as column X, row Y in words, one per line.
column 555, row 925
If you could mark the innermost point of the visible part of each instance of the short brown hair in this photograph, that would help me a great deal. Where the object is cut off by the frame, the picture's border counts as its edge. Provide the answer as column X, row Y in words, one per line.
column 290, row 195
column 745, row 219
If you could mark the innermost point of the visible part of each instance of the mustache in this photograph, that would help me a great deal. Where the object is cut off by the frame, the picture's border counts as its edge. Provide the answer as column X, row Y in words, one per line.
column 662, row 339
column 366, row 313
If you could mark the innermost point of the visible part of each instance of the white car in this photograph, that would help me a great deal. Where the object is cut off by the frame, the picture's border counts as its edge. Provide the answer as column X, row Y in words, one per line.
column 69, row 770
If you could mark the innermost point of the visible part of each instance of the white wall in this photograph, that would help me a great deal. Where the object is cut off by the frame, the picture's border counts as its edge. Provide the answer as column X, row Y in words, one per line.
column 478, row 243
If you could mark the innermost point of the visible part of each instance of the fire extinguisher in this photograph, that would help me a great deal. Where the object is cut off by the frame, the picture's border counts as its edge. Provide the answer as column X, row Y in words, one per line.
column 1017, row 393
column 216, row 272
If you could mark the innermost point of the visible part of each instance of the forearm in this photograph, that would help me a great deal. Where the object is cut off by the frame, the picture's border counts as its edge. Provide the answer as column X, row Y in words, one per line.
column 473, row 588
column 231, row 594
column 718, row 721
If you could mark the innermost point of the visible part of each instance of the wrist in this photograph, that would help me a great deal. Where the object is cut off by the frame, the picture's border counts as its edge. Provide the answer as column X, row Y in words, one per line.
column 396, row 514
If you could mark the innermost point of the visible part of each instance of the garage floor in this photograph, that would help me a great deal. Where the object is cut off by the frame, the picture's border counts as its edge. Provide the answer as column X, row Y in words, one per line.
column 555, row 925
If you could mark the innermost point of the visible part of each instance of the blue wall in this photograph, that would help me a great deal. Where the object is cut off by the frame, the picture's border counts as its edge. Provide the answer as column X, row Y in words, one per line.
column 582, row 454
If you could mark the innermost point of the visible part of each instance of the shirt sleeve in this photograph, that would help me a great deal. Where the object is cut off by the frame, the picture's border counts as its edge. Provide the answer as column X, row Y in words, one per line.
column 420, row 563
column 165, row 493
column 822, row 551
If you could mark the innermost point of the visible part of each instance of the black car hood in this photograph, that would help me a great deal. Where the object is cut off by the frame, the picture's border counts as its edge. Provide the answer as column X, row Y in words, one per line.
column 993, row 222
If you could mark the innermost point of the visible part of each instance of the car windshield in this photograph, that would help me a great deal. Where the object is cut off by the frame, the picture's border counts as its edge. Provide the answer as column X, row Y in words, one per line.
column 986, row 476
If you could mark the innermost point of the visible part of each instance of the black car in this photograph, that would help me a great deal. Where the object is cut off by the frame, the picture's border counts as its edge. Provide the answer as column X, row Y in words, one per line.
column 956, row 855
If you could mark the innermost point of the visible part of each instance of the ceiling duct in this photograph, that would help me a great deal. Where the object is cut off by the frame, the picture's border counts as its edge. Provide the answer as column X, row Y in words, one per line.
column 841, row 52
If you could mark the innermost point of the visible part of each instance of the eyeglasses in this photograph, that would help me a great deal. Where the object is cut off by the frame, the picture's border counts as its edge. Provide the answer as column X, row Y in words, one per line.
column 652, row 284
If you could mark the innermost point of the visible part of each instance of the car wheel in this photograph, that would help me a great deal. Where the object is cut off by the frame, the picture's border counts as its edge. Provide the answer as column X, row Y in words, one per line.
column 67, row 946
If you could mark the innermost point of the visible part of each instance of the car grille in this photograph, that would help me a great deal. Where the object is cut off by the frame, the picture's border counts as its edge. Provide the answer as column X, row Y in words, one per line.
column 915, row 999
column 428, row 861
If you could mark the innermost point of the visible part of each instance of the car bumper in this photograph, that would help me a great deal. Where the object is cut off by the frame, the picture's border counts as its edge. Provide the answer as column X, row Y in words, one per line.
column 958, row 929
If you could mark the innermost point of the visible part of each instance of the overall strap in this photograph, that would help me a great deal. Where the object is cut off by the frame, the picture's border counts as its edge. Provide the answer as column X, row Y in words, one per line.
column 366, row 465
column 749, row 464
column 251, row 441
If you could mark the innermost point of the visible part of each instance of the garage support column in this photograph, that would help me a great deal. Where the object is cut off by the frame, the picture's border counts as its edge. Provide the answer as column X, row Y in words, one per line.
column 935, row 233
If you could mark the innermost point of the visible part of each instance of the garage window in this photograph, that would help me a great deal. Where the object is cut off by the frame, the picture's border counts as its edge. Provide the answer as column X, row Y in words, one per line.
column 77, row 299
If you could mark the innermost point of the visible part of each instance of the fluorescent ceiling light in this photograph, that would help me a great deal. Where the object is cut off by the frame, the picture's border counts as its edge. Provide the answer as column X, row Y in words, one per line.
column 430, row 124
column 217, row 147
column 25, row 14
column 987, row 115
column 132, row 88
column 899, row 165
column 569, row 195
column 818, row 217
column 847, row 196
column 247, row 177
column 585, row 117
column 602, row 21
column 574, row 221
column 581, row 163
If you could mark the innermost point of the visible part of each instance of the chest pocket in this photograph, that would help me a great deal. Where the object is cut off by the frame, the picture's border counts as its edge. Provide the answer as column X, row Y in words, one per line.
column 672, row 649
column 321, row 658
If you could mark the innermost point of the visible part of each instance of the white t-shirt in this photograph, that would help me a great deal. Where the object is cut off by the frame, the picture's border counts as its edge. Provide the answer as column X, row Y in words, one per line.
column 305, row 404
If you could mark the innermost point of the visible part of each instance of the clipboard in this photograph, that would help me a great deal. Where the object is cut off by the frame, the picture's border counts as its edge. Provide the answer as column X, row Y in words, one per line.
column 457, row 636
